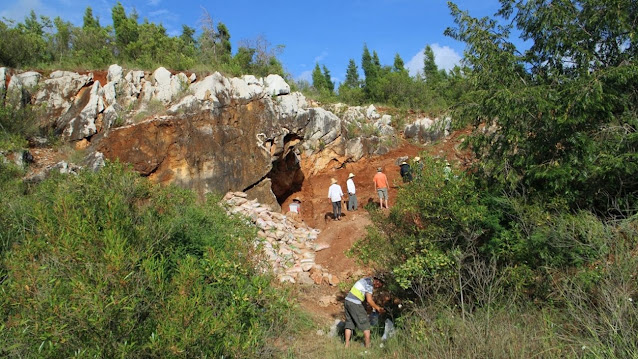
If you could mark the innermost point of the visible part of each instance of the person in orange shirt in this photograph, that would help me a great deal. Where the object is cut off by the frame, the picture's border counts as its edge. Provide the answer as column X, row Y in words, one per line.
column 381, row 186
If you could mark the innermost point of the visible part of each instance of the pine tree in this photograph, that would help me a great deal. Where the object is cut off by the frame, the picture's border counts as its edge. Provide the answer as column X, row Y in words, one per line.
column 367, row 64
column 89, row 21
column 126, row 28
column 223, row 42
column 330, row 86
column 318, row 79
column 352, row 75
column 430, row 70
column 399, row 65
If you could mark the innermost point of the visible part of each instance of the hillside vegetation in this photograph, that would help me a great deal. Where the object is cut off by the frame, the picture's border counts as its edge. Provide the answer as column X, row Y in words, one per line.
column 529, row 250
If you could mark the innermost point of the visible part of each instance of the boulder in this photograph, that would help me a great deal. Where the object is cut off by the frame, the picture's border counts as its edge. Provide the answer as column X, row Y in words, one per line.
column 162, row 82
column 371, row 113
column 94, row 161
column 114, row 73
column 427, row 130
column 304, row 279
column 28, row 80
column 276, row 85
column 246, row 91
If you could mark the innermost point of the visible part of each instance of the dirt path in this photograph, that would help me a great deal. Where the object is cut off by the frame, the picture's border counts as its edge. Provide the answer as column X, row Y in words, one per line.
column 325, row 303
column 341, row 235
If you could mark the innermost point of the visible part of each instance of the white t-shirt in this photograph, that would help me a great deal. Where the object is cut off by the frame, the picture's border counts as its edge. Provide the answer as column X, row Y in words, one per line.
column 350, row 185
column 294, row 207
column 335, row 193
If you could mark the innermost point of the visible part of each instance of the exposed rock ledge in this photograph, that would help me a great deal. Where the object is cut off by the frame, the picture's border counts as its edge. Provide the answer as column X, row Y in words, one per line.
column 214, row 134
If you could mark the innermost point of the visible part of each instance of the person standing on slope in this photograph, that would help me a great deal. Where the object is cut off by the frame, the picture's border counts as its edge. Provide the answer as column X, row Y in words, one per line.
column 406, row 172
column 381, row 187
column 352, row 196
column 356, row 315
column 335, row 194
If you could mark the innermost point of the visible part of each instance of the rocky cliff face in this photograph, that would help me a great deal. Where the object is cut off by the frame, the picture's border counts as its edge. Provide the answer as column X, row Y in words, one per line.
column 214, row 134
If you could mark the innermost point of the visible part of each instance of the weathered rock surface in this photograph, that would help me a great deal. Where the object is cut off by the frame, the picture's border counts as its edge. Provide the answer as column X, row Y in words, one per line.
column 426, row 130
column 212, row 134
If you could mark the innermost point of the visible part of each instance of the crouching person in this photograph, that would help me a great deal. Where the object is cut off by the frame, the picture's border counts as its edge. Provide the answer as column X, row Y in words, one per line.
column 356, row 315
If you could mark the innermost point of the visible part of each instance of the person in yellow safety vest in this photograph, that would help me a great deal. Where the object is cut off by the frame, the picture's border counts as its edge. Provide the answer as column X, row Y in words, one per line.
column 356, row 314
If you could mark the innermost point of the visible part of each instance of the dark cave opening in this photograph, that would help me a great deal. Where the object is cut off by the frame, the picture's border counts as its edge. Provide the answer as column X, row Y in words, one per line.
column 286, row 176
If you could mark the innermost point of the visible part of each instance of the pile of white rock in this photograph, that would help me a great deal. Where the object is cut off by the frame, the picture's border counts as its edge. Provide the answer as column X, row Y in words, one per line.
column 289, row 245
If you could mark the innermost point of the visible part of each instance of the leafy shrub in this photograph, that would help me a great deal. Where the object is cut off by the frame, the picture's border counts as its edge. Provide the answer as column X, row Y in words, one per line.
column 107, row 265
column 434, row 215
column 17, row 122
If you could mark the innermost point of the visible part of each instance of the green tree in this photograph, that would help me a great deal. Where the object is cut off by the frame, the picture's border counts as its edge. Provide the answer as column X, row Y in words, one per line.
column 352, row 75
column 433, row 76
column 187, row 35
column 89, row 21
column 564, row 113
column 399, row 65
column 61, row 40
column 318, row 79
column 223, row 42
column 368, row 65
column 93, row 46
column 25, row 43
column 330, row 86
column 126, row 29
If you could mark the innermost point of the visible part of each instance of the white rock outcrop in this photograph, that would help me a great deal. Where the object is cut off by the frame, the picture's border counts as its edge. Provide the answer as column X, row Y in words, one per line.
column 425, row 129
column 276, row 85
column 60, row 89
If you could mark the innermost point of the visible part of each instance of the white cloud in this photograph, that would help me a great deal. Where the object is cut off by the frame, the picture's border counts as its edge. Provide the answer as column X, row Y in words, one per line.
column 321, row 57
column 159, row 13
column 444, row 56
column 154, row 2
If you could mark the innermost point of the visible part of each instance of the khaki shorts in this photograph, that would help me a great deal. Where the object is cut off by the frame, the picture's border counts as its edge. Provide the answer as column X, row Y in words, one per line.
column 383, row 193
column 356, row 315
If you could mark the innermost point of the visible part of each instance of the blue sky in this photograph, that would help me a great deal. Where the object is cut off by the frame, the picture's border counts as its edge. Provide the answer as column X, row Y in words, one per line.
column 328, row 32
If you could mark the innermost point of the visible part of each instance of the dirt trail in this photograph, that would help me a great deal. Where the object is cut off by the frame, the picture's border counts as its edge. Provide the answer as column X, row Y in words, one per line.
column 341, row 235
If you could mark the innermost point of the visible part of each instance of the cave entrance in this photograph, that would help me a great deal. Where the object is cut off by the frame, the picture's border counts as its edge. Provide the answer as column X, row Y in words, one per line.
column 286, row 176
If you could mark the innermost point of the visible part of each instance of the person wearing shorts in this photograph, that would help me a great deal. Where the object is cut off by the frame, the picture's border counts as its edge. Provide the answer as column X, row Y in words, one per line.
column 356, row 315
column 381, row 186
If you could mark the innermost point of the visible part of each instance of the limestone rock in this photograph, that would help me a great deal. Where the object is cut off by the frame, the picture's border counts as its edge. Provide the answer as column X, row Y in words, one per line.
column 94, row 161
column 276, row 85
column 426, row 130
column 59, row 90
column 304, row 279
column 83, row 125
column 114, row 73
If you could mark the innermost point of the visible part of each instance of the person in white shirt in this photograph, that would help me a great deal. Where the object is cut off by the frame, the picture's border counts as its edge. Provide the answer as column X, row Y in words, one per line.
column 335, row 193
column 352, row 196
column 295, row 208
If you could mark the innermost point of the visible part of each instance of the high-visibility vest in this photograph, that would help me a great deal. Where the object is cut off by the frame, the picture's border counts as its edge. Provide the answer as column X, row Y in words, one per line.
column 358, row 290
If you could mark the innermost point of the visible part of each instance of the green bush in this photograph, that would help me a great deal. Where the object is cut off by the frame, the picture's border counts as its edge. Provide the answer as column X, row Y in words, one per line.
column 107, row 265
column 434, row 216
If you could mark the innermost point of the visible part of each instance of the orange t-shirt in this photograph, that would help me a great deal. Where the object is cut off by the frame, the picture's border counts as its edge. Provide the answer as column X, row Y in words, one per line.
column 380, row 180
